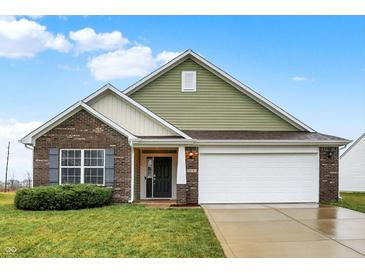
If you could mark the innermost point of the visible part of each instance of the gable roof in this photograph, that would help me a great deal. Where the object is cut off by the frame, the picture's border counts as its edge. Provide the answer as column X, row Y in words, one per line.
column 224, row 76
column 353, row 145
column 109, row 87
column 31, row 137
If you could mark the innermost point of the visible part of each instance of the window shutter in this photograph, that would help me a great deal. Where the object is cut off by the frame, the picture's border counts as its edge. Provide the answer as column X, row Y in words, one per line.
column 53, row 162
column 109, row 167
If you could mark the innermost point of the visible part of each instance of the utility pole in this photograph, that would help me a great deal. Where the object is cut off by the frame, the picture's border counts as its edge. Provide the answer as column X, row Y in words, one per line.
column 7, row 163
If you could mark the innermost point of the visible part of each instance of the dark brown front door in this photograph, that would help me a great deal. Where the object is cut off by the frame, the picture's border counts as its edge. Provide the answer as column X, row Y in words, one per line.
column 162, row 180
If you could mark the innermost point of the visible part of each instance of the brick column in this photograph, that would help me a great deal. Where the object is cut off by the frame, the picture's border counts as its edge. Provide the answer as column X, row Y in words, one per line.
column 328, row 174
column 192, row 175
column 181, row 194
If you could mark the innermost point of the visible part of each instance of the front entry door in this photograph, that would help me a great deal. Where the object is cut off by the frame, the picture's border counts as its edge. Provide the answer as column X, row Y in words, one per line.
column 162, row 180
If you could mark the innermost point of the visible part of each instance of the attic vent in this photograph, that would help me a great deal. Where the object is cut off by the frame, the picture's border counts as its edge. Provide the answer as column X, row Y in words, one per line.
column 188, row 81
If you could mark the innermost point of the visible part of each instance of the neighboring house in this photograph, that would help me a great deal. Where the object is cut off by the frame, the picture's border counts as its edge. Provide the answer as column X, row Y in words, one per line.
column 352, row 166
column 191, row 133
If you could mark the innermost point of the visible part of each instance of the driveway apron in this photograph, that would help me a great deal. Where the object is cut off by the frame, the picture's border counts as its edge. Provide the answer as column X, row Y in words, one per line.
column 287, row 230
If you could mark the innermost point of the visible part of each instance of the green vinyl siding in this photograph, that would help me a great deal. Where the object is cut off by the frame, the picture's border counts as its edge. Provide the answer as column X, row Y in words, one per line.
column 216, row 105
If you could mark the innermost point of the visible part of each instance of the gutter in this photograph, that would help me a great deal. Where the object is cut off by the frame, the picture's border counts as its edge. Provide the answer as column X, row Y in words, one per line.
column 28, row 146
column 173, row 142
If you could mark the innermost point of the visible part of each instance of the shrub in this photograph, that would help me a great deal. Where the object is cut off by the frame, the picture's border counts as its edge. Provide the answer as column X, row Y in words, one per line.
column 63, row 197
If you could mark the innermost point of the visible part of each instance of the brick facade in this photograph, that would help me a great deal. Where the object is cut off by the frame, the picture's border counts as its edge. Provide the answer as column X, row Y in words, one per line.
column 84, row 131
column 328, row 174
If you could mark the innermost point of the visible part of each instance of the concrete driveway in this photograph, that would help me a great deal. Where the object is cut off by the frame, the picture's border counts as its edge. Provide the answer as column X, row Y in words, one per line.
column 287, row 230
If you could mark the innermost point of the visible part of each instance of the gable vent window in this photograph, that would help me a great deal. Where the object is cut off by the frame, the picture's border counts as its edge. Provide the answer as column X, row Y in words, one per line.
column 188, row 81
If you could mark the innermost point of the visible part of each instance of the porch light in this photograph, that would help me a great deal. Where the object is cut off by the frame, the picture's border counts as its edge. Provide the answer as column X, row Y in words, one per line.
column 329, row 154
column 191, row 154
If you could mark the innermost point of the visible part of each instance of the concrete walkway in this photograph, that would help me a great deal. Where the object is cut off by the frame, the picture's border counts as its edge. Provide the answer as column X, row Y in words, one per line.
column 287, row 230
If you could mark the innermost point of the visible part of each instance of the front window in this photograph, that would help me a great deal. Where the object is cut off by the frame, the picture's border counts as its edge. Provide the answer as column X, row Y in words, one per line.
column 70, row 166
column 78, row 166
column 94, row 167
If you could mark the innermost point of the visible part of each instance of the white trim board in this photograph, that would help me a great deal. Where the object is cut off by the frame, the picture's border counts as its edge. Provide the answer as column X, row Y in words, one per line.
column 224, row 76
column 353, row 145
column 177, row 142
column 31, row 137
column 109, row 87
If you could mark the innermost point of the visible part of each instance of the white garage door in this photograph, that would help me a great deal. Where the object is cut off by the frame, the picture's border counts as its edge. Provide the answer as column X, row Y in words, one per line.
column 261, row 177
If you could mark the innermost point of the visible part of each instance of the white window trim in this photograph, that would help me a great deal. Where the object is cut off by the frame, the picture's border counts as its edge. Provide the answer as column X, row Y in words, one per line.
column 183, row 88
column 82, row 166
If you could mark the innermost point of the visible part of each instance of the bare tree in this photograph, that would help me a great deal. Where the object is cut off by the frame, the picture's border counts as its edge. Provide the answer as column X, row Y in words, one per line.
column 7, row 165
column 29, row 179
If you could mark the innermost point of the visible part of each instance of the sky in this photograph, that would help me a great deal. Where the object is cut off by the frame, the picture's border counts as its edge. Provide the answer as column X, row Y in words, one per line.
column 311, row 66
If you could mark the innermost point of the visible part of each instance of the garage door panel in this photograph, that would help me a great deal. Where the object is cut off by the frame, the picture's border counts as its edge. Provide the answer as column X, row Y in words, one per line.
column 258, row 178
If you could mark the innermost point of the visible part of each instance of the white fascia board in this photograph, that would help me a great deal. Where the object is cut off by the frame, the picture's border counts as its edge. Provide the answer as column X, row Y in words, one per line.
column 175, row 142
column 252, row 94
column 163, row 142
column 96, row 93
column 138, row 106
column 28, row 139
column 272, row 142
column 353, row 145
column 31, row 137
column 166, row 67
column 224, row 76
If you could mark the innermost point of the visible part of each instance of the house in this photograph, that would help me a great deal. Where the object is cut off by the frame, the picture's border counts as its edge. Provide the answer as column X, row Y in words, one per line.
column 188, row 132
column 352, row 167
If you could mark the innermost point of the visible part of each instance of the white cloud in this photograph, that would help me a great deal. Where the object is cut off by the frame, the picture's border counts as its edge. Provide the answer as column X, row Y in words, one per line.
column 26, row 38
column 136, row 61
column 165, row 56
column 59, row 43
column 20, row 159
column 88, row 40
column 299, row 78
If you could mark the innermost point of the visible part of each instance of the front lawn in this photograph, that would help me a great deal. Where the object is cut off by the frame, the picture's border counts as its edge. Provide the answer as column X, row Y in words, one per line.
column 113, row 231
column 355, row 201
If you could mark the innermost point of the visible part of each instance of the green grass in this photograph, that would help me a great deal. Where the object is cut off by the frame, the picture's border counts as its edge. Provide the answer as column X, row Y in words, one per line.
column 355, row 201
column 113, row 231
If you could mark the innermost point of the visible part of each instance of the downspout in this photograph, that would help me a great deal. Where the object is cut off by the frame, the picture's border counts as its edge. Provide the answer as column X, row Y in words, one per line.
column 31, row 147
column 132, row 172
column 340, row 148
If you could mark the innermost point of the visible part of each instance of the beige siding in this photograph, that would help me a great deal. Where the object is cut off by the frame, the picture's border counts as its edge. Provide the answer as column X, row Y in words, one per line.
column 216, row 105
column 129, row 117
